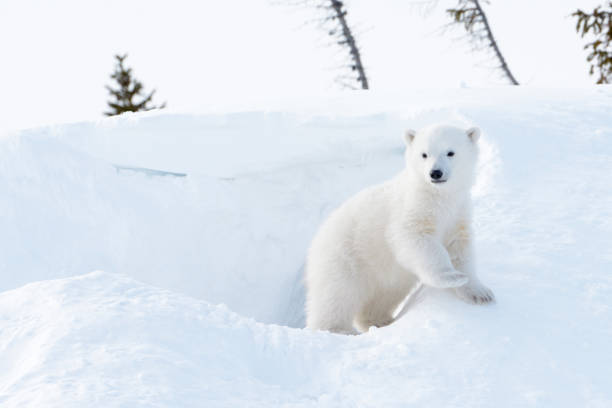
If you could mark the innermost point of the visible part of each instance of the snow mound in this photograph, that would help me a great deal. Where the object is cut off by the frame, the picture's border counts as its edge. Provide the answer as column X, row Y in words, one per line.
column 235, row 229
column 106, row 340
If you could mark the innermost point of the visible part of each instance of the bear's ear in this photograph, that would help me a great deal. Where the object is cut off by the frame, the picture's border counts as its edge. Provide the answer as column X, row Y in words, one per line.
column 409, row 136
column 473, row 134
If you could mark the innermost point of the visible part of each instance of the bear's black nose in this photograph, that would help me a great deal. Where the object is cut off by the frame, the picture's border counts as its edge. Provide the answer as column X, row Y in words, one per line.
column 436, row 174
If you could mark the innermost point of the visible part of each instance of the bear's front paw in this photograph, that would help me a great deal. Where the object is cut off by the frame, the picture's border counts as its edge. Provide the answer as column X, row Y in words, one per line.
column 448, row 278
column 475, row 293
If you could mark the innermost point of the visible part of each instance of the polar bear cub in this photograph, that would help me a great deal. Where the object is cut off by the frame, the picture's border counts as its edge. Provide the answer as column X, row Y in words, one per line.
column 372, row 251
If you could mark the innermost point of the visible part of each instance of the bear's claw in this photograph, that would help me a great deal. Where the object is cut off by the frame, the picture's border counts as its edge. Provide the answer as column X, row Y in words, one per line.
column 475, row 294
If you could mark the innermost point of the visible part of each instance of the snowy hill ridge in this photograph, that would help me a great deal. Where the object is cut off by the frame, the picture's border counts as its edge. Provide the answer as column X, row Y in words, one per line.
column 150, row 332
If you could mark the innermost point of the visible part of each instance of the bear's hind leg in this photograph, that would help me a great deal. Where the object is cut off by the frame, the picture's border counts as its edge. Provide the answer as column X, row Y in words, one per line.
column 379, row 310
column 332, row 312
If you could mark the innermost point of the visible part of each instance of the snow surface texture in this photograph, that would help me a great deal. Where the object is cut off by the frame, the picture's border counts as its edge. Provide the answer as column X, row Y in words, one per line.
column 235, row 231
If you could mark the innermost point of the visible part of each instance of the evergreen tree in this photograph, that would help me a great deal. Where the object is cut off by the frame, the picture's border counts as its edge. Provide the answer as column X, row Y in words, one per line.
column 129, row 88
column 470, row 14
column 599, row 23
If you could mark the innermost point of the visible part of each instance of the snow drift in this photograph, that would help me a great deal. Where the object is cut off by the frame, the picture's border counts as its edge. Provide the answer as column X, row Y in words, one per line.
column 75, row 198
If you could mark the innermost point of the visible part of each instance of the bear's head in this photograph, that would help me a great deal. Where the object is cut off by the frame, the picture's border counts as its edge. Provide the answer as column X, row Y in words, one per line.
column 443, row 157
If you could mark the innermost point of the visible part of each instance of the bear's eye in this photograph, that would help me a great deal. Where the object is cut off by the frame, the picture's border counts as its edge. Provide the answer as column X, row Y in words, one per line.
column 450, row 154
column 424, row 155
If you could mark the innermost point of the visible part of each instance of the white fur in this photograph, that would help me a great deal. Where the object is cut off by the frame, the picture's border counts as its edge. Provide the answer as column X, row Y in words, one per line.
column 372, row 251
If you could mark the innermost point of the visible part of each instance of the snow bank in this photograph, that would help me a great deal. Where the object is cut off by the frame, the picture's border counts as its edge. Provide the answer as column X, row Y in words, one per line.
column 105, row 340
column 214, row 234
column 235, row 231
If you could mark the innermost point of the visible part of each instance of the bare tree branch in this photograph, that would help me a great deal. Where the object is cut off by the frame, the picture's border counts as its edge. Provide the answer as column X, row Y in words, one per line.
column 472, row 16
column 493, row 44
column 334, row 21
column 349, row 41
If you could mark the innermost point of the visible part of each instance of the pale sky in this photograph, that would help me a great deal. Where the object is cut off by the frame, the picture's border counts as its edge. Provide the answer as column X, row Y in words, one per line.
column 199, row 54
